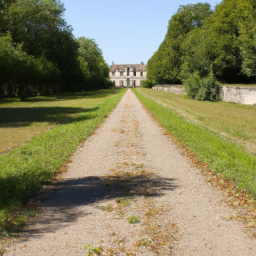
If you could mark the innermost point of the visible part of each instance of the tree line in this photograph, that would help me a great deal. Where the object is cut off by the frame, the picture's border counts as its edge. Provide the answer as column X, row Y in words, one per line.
column 39, row 54
column 204, row 46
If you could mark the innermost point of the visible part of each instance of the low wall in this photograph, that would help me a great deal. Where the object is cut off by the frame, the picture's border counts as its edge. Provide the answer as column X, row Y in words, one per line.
column 175, row 88
column 243, row 95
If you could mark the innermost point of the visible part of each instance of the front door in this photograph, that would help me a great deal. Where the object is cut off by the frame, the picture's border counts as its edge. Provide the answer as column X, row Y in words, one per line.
column 128, row 81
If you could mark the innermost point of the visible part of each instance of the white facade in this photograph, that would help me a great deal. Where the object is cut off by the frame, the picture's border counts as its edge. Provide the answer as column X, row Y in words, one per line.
column 128, row 75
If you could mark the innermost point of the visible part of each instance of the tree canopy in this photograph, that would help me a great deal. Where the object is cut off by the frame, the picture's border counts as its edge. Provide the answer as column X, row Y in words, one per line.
column 164, row 65
column 217, row 44
column 39, row 54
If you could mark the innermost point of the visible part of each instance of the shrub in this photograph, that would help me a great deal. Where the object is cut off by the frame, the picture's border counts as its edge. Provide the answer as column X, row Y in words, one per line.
column 147, row 83
column 202, row 88
column 133, row 219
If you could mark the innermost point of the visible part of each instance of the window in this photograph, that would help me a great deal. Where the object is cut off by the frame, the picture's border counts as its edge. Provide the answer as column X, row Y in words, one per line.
column 134, row 83
column 134, row 73
column 128, row 71
column 113, row 73
column 121, row 82
column 121, row 73
column 141, row 73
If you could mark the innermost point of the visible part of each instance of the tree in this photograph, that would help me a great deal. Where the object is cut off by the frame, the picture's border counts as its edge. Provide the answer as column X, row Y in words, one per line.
column 93, row 64
column 224, row 48
column 39, row 53
column 247, row 37
column 164, row 66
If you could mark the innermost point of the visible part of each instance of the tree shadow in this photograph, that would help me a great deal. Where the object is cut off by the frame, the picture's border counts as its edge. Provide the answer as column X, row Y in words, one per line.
column 65, row 96
column 17, row 117
column 72, row 194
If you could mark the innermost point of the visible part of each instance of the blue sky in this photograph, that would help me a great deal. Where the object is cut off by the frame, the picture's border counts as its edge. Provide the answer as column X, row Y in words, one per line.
column 127, row 32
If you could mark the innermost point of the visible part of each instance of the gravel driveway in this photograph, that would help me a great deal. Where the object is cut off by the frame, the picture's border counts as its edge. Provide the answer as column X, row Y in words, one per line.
column 169, row 197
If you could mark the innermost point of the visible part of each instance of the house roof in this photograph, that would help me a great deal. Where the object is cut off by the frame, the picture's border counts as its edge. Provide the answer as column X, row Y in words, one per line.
column 122, row 67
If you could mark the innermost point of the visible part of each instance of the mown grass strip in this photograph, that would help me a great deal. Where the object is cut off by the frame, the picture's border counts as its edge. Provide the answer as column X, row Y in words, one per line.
column 26, row 168
column 221, row 154
column 234, row 121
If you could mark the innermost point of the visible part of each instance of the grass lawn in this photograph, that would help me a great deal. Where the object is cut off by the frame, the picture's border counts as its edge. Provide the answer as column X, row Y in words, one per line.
column 195, row 124
column 234, row 121
column 64, row 122
column 21, row 121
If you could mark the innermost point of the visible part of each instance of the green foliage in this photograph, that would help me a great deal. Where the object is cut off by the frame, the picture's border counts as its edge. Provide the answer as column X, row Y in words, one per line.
column 20, row 72
column 247, row 37
column 213, row 49
column 94, row 68
column 220, row 44
column 26, row 168
column 164, row 65
column 147, row 83
column 221, row 154
column 133, row 219
column 202, row 88
column 123, row 201
column 93, row 250
column 108, row 207
column 39, row 54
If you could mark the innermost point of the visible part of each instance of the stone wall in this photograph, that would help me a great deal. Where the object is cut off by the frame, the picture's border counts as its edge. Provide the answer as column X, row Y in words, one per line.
column 243, row 95
column 178, row 89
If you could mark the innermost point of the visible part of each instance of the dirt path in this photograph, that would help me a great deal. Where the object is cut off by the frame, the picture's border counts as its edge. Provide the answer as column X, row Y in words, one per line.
column 128, row 168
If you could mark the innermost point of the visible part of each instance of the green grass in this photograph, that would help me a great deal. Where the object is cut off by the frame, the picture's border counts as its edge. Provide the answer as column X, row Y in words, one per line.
column 93, row 250
column 24, row 169
column 22, row 121
column 221, row 154
column 108, row 207
column 234, row 121
column 123, row 201
column 133, row 219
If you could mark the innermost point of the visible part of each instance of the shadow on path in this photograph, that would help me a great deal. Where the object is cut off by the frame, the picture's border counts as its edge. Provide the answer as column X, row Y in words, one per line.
column 63, row 207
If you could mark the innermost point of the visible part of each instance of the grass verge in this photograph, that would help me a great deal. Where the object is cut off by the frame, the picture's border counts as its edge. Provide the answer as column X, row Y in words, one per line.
column 25, row 169
column 220, row 154
column 234, row 121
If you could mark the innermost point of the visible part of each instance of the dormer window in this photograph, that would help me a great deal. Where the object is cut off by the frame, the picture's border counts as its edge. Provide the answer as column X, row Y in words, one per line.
column 141, row 73
column 121, row 73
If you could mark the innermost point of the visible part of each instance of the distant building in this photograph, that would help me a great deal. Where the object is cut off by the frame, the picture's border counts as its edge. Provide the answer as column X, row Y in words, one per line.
column 128, row 75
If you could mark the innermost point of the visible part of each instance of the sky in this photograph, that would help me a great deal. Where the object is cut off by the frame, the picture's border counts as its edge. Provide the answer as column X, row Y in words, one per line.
column 127, row 32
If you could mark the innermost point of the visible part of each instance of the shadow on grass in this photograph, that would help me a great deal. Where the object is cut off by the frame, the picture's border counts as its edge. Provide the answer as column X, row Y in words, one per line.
column 64, row 96
column 17, row 117
column 63, row 208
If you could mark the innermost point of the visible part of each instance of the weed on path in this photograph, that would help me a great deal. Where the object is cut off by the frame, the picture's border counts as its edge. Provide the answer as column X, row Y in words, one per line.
column 139, row 205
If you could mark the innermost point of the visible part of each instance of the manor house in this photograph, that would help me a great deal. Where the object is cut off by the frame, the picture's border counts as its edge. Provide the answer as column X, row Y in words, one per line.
column 128, row 75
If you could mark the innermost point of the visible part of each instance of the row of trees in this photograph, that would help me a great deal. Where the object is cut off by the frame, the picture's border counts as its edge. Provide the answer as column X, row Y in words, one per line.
column 203, row 46
column 39, row 54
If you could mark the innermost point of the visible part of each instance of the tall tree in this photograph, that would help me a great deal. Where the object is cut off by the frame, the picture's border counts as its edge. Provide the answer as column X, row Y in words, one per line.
column 225, row 47
column 164, row 67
